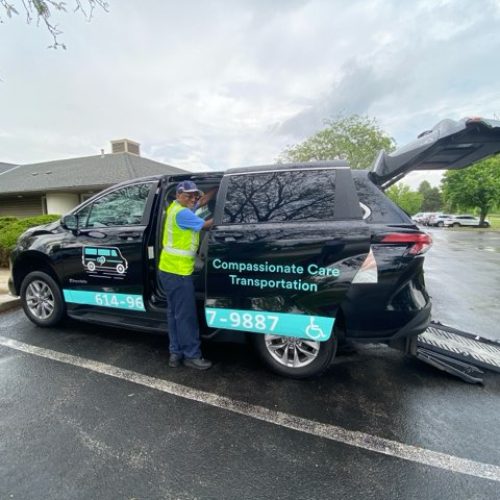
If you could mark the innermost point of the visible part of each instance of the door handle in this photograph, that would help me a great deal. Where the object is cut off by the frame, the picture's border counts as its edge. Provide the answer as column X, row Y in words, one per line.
column 92, row 233
column 228, row 236
column 129, row 235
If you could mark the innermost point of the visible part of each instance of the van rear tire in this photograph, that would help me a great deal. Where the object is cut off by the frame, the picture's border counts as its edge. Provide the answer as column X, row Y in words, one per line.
column 280, row 354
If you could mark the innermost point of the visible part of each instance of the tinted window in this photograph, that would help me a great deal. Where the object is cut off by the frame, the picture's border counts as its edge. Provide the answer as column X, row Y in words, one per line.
column 83, row 215
column 380, row 209
column 122, row 207
column 280, row 197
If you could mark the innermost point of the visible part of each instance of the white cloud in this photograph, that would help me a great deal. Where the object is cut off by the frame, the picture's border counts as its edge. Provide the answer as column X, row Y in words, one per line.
column 215, row 84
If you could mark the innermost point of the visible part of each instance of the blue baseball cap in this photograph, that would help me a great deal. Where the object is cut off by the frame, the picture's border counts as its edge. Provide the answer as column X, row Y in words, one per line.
column 187, row 187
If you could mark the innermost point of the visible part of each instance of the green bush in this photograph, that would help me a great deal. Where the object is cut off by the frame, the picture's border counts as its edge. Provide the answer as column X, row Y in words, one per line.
column 6, row 221
column 11, row 228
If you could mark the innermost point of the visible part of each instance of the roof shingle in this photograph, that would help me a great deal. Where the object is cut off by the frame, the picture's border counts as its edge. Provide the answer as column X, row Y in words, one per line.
column 79, row 173
column 5, row 166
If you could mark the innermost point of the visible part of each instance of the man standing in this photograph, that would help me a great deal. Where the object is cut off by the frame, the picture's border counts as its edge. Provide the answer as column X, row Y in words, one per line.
column 181, row 235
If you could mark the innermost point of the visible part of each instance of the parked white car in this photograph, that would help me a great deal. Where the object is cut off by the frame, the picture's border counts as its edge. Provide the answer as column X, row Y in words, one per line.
column 438, row 219
column 423, row 217
column 465, row 220
column 419, row 217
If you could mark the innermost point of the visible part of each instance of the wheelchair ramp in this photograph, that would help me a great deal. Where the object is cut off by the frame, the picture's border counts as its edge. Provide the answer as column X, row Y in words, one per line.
column 457, row 352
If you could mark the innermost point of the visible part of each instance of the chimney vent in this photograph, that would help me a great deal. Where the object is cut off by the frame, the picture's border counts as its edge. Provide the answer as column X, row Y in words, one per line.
column 125, row 146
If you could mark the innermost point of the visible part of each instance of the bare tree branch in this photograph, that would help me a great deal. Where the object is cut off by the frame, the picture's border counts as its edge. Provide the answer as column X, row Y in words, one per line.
column 42, row 11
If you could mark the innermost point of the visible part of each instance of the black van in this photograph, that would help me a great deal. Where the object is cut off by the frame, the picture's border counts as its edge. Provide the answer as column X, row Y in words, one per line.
column 300, row 257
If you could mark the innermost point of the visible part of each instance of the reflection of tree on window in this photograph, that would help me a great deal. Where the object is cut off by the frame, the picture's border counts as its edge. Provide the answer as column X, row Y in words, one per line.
column 280, row 196
column 120, row 208
column 83, row 215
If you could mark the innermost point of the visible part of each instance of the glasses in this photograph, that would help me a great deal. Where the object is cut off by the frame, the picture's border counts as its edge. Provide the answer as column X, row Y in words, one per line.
column 196, row 196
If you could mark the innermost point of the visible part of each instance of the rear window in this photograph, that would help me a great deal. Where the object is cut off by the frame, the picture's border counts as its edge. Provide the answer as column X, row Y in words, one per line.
column 280, row 196
column 377, row 208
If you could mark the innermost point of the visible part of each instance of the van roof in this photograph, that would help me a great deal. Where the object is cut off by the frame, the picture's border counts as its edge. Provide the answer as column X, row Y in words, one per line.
column 313, row 165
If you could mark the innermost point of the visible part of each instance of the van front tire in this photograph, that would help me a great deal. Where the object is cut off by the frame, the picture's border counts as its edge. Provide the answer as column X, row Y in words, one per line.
column 42, row 299
column 295, row 357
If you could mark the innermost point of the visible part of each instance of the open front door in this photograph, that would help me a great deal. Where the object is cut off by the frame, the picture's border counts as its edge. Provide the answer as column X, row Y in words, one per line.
column 104, row 259
column 286, row 245
column 449, row 145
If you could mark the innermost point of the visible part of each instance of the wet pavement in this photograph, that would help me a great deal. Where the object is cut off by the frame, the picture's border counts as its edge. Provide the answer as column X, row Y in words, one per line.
column 368, row 428
column 462, row 274
column 71, row 432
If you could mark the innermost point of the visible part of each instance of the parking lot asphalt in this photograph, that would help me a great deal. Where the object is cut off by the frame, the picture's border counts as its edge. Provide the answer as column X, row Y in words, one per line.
column 94, row 412
column 462, row 274
column 81, row 432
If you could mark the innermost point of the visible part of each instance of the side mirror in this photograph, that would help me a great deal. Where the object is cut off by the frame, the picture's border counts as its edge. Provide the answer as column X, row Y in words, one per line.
column 70, row 222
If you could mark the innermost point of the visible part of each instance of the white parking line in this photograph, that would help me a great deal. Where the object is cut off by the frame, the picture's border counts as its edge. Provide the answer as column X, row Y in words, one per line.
column 332, row 432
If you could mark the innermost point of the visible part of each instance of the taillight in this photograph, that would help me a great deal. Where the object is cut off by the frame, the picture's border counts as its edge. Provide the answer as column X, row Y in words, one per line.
column 418, row 243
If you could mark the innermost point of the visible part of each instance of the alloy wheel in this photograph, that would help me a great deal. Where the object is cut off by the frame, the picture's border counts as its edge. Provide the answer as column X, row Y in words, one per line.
column 291, row 351
column 40, row 299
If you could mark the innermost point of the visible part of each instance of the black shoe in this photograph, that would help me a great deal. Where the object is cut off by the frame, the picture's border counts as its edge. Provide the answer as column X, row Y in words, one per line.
column 174, row 361
column 197, row 363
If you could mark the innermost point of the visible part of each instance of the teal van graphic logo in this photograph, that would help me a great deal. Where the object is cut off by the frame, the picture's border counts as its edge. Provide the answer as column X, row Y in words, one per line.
column 104, row 259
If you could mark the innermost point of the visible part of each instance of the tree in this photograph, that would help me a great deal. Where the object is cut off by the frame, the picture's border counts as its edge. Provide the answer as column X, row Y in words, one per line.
column 431, row 201
column 401, row 194
column 41, row 10
column 477, row 186
column 354, row 138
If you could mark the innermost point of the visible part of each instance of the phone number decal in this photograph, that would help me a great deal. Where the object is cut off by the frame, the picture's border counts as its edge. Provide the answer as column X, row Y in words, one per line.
column 116, row 300
column 290, row 325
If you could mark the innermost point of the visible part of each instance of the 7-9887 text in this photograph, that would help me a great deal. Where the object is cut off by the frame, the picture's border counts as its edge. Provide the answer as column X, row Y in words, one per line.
column 233, row 319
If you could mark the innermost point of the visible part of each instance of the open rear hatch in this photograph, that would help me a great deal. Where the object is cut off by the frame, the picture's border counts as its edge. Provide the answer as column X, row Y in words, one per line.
column 449, row 145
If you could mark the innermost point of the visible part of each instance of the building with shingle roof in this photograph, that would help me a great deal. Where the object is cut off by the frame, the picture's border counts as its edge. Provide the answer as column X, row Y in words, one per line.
column 6, row 166
column 58, row 186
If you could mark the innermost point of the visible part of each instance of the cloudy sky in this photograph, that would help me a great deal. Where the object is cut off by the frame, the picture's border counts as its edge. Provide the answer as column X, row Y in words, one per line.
column 215, row 84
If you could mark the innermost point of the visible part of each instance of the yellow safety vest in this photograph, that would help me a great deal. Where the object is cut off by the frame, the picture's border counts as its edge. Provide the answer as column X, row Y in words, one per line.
column 179, row 245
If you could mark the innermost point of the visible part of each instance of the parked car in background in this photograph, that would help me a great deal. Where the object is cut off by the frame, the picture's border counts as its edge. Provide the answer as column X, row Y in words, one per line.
column 426, row 216
column 437, row 220
column 419, row 217
column 465, row 220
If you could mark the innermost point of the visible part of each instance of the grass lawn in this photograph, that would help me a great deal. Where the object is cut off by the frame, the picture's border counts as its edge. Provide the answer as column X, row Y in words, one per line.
column 494, row 220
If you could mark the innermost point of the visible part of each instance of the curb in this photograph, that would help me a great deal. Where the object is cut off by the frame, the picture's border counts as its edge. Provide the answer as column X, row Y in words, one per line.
column 8, row 302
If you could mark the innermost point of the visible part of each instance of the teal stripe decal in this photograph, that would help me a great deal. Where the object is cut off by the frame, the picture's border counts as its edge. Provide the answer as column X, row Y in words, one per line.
column 99, row 299
column 290, row 325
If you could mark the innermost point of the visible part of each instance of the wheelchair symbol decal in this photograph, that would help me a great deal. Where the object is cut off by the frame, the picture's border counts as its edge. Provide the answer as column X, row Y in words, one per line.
column 314, row 332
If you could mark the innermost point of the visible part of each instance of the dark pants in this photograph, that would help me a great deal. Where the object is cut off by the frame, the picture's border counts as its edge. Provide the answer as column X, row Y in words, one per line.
column 183, row 330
